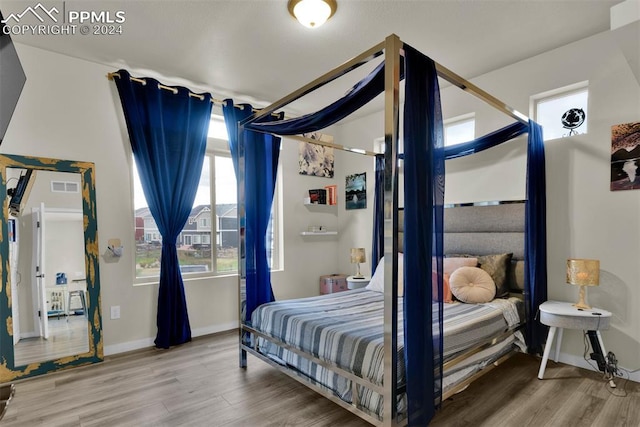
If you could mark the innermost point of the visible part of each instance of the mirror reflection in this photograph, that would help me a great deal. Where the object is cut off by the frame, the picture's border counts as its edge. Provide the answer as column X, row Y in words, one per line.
column 47, row 264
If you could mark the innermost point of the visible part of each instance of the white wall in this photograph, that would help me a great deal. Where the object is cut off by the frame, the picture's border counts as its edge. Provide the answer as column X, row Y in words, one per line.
column 584, row 218
column 69, row 110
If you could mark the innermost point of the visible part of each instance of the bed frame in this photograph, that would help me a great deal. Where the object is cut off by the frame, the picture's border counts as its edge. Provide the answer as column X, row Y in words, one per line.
column 469, row 229
column 392, row 49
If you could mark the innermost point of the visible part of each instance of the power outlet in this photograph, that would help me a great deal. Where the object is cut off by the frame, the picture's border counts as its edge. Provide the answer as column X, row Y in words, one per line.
column 115, row 312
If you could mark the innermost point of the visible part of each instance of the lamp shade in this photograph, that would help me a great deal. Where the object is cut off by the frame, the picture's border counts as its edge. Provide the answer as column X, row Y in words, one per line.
column 312, row 13
column 583, row 272
column 357, row 255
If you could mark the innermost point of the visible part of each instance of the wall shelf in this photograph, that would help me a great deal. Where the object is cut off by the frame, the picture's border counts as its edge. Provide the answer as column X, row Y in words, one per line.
column 318, row 233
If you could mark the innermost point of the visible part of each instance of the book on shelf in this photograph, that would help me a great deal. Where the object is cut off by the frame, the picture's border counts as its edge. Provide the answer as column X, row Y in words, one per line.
column 332, row 194
column 318, row 196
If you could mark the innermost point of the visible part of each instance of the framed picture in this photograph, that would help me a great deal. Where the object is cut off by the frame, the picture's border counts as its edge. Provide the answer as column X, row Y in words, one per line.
column 356, row 191
column 625, row 156
column 316, row 159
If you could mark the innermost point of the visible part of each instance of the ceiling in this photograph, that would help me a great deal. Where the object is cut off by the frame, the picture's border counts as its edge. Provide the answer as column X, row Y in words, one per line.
column 253, row 50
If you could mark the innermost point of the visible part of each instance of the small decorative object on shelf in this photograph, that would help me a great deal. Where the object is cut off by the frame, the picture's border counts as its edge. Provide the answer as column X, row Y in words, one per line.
column 318, row 196
column 573, row 119
column 332, row 194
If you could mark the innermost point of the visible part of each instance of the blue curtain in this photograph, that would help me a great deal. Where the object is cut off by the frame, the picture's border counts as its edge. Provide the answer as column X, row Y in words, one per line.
column 377, row 246
column 423, row 243
column 168, row 134
column 260, row 153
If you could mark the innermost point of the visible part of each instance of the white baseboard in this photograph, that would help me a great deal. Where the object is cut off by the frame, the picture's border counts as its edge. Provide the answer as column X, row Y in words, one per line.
column 578, row 361
column 148, row 342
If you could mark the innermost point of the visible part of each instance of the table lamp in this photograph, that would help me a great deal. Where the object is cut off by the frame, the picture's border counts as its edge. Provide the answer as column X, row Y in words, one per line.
column 583, row 272
column 358, row 256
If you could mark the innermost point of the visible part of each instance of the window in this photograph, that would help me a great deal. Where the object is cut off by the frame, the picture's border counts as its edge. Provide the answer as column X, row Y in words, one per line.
column 197, row 256
column 562, row 112
column 459, row 129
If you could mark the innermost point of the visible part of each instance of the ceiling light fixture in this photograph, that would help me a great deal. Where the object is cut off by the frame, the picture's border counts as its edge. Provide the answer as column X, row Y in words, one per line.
column 312, row 13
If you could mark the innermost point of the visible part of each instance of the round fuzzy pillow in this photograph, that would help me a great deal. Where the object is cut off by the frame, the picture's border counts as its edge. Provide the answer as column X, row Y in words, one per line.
column 472, row 285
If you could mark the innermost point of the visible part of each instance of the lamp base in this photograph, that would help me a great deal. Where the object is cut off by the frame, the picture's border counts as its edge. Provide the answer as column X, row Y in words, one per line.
column 358, row 276
column 581, row 304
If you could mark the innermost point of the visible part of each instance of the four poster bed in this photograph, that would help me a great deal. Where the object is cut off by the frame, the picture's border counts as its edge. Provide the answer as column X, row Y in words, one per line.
column 378, row 352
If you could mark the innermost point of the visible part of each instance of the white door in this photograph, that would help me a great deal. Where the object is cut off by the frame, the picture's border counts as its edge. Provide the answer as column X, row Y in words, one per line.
column 13, row 267
column 40, row 291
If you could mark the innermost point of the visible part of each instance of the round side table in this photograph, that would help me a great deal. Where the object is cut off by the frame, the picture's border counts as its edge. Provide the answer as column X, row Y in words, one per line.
column 560, row 315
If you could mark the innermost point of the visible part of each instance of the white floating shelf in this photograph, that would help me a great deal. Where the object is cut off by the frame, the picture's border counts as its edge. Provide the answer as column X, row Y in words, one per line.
column 318, row 233
column 319, row 204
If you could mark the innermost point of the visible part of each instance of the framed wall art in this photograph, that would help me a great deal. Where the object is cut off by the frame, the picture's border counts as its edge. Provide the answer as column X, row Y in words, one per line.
column 356, row 191
column 316, row 159
column 625, row 156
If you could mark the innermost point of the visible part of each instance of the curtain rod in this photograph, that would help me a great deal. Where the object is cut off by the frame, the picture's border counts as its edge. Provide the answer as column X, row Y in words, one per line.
column 215, row 101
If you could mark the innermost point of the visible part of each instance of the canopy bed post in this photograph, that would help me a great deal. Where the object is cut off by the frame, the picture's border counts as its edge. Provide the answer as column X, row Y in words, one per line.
column 391, row 116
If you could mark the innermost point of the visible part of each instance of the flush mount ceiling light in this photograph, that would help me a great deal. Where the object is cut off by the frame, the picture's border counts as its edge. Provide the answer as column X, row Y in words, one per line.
column 312, row 13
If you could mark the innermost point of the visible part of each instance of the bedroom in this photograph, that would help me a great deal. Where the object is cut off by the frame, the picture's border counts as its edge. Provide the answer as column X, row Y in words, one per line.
column 585, row 212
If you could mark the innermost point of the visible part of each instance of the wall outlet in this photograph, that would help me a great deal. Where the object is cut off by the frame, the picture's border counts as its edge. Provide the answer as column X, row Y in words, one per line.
column 115, row 312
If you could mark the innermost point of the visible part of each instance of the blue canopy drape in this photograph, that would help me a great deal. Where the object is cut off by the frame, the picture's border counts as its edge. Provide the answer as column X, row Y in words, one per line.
column 260, row 153
column 424, row 186
column 423, row 242
column 168, row 134
column 377, row 246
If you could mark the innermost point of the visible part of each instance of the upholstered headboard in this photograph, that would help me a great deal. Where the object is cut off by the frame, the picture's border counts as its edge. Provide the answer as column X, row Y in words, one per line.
column 485, row 230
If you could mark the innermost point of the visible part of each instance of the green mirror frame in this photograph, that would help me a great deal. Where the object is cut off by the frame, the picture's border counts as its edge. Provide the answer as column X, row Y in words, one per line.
column 8, row 370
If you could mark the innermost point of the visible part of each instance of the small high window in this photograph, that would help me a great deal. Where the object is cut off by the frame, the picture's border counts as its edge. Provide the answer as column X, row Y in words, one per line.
column 459, row 129
column 562, row 112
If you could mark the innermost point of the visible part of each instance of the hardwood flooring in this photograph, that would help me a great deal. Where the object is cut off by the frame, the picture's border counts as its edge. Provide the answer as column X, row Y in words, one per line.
column 200, row 384
column 65, row 338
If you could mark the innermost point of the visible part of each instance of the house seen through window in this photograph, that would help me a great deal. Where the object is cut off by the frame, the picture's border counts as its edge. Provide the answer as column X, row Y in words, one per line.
column 196, row 253
column 208, row 243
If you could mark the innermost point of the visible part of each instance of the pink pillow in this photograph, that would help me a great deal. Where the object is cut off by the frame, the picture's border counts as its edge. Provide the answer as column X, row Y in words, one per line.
column 446, row 289
column 449, row 265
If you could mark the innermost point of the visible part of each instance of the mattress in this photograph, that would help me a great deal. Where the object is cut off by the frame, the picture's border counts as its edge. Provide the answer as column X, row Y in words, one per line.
column 346, row 329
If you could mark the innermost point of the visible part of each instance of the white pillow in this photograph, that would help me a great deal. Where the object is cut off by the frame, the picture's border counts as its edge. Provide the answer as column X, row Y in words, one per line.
column 472, row 285
column 377, row 280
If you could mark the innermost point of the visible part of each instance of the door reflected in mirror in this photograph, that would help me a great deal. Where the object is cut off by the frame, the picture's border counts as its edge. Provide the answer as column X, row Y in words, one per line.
column 50, row 316
column 48, row 268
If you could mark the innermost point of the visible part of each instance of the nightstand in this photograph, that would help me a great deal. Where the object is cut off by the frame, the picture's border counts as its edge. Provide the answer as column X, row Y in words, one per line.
column 563, row 315
column 357, row 283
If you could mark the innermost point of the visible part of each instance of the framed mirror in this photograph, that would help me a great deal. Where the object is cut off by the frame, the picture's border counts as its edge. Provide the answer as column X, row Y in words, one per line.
column 50, row 315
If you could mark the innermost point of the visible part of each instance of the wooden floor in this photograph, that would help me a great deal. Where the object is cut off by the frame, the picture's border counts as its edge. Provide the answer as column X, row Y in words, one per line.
column 66, row 337
column 199, row 384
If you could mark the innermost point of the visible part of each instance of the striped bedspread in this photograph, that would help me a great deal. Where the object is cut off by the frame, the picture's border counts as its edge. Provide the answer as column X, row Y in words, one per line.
column 346, row 329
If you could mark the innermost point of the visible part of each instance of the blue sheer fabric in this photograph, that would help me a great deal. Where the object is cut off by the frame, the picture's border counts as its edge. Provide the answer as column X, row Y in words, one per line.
column 423, row 242
column 260, row 153
column 484, row 142
column 535, row 238
column 358, row 96
column 377, row 246
column 168, row 134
